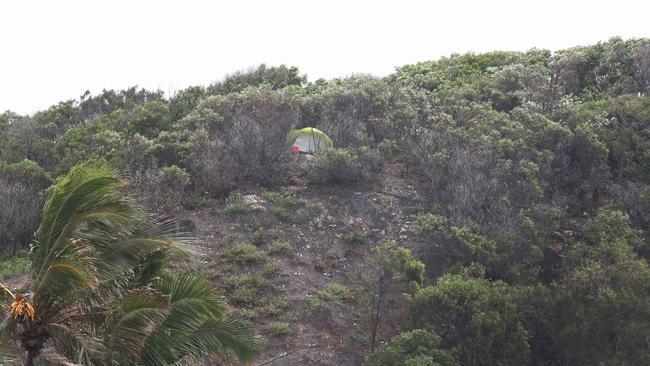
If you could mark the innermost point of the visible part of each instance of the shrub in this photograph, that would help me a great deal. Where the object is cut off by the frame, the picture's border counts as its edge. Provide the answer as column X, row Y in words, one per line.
column 235, row 205
column 417, row 348
column 282, row 199
column 336, row 293
column 247, row 289
column 261, row 236
column 244, row 253
column 274, row 306
column 244, row 295
column 280, row 212
column 194, row 203
column 279, row 328
column 21, row 196
column 272, row 269
column 280, row 247
column 335, row 166
column 161, row 189
column 14, row 266
column 245, row 141
column 355, row 236
column 172, row 181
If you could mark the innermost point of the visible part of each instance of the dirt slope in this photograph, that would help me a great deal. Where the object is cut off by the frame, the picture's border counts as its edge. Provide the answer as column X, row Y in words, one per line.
column 279, row 262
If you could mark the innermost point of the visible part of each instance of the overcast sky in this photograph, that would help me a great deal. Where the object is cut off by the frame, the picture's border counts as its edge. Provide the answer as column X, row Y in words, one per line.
column 55, row 50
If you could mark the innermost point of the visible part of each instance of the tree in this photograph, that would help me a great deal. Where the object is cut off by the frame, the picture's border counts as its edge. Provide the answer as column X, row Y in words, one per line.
column 414, row 348
column 480, row 318
column 394, row 272
column 98, row 289
column 21, row 193
column 600, row 312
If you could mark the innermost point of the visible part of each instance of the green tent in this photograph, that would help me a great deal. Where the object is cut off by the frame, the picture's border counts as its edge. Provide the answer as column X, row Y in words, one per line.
column 309, row 140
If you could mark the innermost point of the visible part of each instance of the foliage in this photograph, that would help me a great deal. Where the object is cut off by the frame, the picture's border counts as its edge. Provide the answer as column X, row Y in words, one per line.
column 355, row 236
column 96, row 252
column 527, row 171
column 468, row 306
column 21, row 191
column 279, row 328
column 195, row 203
column 280, row 246
column 13, row 266
column 335, row 166
column 244, row 253
column 415, row 348
column 235, row 205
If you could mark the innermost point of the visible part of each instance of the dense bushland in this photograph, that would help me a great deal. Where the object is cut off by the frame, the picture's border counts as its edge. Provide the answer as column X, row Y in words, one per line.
column 533, row 169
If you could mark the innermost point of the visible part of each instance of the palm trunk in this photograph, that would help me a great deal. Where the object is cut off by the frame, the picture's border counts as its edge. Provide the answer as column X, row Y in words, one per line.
column 31, row 356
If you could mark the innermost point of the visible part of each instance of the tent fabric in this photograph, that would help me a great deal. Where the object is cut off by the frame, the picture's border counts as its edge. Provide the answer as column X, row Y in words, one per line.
column 310, row 140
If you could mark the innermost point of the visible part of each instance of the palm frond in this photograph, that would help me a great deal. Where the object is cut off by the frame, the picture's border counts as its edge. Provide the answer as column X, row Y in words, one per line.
column 76, row 346
column 8, row 358
column 196, row 310
column 8, row 330
column 59, row 287
column 227, row 336
column 136, row 318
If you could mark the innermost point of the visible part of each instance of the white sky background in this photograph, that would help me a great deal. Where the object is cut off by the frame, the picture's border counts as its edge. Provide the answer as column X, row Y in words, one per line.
column 52, row 51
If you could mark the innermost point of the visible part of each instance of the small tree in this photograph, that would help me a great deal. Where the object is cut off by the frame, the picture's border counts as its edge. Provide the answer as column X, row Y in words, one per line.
column 394, row 271
column 415, row 348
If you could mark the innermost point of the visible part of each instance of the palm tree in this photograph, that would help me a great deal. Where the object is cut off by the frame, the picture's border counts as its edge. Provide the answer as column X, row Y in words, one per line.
column 99, row 292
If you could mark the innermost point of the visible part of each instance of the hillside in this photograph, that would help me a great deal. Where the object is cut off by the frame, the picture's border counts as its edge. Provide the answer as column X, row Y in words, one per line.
column 480, row 209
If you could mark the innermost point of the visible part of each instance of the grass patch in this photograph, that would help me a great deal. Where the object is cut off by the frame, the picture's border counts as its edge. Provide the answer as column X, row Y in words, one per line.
column 194, row 203
column 280, row 247
column 337, row 293
column 247, row 314
column 262, row 236
column 279, row 328
column 235, row 205
column 244, row 253
column 14, row 266
column 282, row 199
column 274, row 306
column 272, row 269
column 247, row 289
column 355, row 237
column 281, row 213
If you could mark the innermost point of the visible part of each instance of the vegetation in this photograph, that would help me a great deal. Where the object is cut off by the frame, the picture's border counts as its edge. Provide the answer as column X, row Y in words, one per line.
column 98, row 263
column 14, row 266
column 526, row 172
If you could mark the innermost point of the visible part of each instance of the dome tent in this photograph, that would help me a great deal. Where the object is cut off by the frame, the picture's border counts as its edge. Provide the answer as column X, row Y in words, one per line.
column 309, row 140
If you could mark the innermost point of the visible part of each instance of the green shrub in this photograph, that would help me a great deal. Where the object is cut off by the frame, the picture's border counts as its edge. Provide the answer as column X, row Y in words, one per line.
column 274, row 306
column 417, row 348
column 279, row 328
column 280, row 247
column 172, row 181
column 316, row 309
column 247, row 289
column 262, row 236
column 281, row 213
column 272, row 269
column 194, row 203
column 244, row 253
column 355, row 236
column 282, row 199
column 244, row 295
column 14, row 266
column 335, row 166
column 337, row 293
column 235, row 205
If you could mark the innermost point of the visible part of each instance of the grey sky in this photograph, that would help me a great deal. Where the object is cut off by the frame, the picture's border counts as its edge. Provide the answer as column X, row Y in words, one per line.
column 55, row 50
